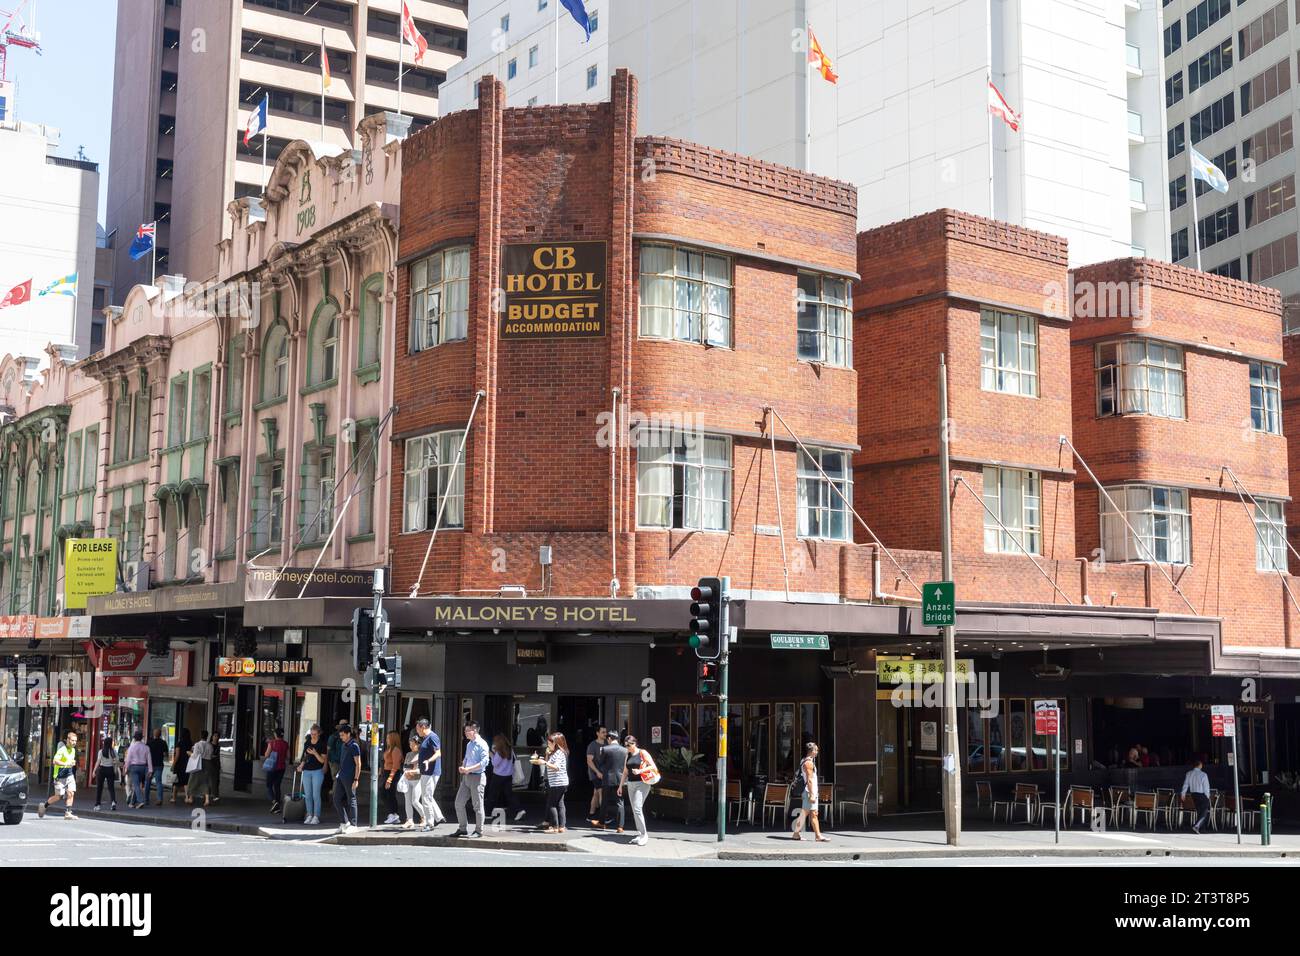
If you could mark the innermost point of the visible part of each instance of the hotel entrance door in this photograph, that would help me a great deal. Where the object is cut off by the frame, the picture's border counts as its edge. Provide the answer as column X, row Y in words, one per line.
column 910, row 758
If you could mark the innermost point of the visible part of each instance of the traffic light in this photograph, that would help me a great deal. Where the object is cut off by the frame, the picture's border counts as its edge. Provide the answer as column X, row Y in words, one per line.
column 707, row 682
column 363, row 636
column 706, row 618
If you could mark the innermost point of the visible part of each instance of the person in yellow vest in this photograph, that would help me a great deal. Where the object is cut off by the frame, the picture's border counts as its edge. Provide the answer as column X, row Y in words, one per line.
column 65, row 777
column 639, row 775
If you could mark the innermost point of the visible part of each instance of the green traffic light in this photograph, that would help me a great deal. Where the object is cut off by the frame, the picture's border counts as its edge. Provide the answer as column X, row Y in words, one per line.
column 695, row 640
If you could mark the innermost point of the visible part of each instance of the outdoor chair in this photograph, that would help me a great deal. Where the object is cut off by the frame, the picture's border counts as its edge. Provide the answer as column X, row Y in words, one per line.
column 1165, row 799
column 826, row 803
column 983, row 794
column 1063, row 811
column 1216, row 808
column 862, row 807
column 1084, row 801
column 776, row 799
column 735, row 798
column 1120, row 804
column 1146, row 802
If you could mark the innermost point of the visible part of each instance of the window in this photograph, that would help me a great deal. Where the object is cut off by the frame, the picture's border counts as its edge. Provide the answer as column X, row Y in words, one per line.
column 1161, row 523
column 430, row 480
column 1270, row 535
column 512, row 69
column 1140, row 377
column 1178, row 193
column 683, row 481
column 593, row 20
column 1273, row 82
column 1173, row 37
column 74, row 473
column 1014, row 497
column 140, row 423
column 235, row 374
column 823, row 502
column 505, row 23
column 440, row 298
column 685, row 295
column 200, row 399
column 1205, row 13
column 1230, row 269
column 32, row 486
column 1178, row 245
column 1209, row 65
column 591, row 77
column 365, row 451
column 176, row 411
column 323, row 364
column 1176, row 141
column 824, row 322
column 276, row 520
column 372, row 324
column 1272, row 259
column 122, row 426
column 1174, row 89
column 1262, row 30
column 541, row 4
column 1218, row 226
column 532, row 57
column 1269, row 142
column 1008, row 353
column 275, row 363
column 317, row 512
column 229, row 491
column 1211, row 119
column 1263, row 204
column 1265, row 398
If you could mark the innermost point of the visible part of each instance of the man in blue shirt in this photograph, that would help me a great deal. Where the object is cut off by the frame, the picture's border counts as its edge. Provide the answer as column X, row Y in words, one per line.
column 473, row 779
column 349, row 776
column 430, row 771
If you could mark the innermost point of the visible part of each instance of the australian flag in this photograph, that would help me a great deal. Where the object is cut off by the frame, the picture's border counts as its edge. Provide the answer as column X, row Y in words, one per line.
column 142, row 245
column 579, row 12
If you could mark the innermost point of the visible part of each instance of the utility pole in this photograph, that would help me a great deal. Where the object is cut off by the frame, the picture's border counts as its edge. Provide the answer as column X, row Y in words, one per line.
column 951, row 773
column 379, row 644
column 724, row 629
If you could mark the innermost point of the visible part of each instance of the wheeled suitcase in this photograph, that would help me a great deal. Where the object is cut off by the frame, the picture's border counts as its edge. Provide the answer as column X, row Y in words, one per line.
column 295, row 807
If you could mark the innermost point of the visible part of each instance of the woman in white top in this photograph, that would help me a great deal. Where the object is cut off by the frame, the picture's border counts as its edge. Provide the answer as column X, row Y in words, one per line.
column 199, row 776
column 809, row 812
column 556, row 762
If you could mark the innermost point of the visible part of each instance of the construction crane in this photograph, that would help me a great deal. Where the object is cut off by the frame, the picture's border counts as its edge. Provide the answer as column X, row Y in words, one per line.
column 16, row 32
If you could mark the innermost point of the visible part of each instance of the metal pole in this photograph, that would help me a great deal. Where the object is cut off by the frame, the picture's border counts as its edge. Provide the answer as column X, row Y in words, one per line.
column 951, row 769
column 1057, row 814
column 153, row 267
column 988, row 20
column 322, row 84
column 1236, row 785
column 557, row 53
column 1196, row 235
column 376, row 652
column 725, row 665
column 401, row 63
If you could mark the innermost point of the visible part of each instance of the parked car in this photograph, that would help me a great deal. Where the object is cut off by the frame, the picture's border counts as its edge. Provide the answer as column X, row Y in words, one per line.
column 13, row 788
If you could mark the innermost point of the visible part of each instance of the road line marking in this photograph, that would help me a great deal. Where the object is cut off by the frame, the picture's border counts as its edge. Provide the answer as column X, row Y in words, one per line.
column 127, row 858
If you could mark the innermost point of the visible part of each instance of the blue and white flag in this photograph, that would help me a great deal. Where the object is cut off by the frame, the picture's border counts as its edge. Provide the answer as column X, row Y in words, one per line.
column 579, row 12
column 142, row 245
column 1206, row 171
column 257, row 118
column 65, row 286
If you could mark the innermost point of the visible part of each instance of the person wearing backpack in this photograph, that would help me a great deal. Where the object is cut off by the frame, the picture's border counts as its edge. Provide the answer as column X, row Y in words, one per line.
column 639, row 775
column 807, row 779
column 274, row 761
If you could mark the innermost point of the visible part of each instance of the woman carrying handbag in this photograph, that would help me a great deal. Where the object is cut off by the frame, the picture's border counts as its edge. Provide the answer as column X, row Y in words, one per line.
column 409, row 784
column 197, row 770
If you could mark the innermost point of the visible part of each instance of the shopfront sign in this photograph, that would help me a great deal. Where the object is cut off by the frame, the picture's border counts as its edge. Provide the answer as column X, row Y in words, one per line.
column 233, row 668
column 135, row 659
column 182, row 663
column 268, row 584
column 1239, row 709
column 801, row 642
column 553, row 290
column 892, row 670
column 534, row 653
column 939, row 604
column 29, row 626
column 90, row 567
column 554, row 614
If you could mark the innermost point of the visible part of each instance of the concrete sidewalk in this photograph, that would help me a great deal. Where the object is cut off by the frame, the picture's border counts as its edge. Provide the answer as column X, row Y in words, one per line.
column 899, row 837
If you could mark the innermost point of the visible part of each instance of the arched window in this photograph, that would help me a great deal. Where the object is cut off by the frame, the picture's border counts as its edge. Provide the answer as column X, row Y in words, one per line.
column 275, row 363
column 323, row 364
column 371, row 325
column 32, row 488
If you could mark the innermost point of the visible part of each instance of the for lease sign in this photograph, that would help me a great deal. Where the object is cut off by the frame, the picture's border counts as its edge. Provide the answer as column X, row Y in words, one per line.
column 90, row 567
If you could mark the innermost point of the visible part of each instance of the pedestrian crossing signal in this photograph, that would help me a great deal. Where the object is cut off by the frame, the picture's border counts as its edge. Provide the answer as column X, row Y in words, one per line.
column 707, row 678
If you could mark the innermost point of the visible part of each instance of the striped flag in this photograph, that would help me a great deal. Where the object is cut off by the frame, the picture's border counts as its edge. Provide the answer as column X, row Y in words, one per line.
column 411, row 33
column 324, row 63
column 1205, row 170
column 256, row 120
column 998, row 106
column 818, row 56
column 65, row 286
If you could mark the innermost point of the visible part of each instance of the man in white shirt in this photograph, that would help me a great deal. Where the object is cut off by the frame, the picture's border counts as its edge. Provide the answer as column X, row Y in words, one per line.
column 1197, row 783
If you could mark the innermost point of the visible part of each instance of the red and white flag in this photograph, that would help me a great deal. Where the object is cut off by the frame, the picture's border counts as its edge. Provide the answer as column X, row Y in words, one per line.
column 19, row 294
column 411, row 34
column 817, row 55
column 998, row 106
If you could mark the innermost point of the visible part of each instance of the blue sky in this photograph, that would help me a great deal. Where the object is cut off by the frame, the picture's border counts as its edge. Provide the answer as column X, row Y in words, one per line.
column 70, row 84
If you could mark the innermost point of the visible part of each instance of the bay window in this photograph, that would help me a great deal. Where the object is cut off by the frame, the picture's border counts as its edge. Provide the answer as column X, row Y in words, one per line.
column 683, row 481
column 1160, row 519
column 1015, row 498
column 1140, row 377
column 823, row 501
column 685, row 295
column 1265, row 398
column 430, row 480
column 440, row 298
column 1008, row 353
column 825, row 320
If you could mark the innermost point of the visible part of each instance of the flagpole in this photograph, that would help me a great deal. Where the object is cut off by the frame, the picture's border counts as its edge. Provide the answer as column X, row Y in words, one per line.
column 266, row 130
column 401, row 61
column 557, row 53
column 322, row 84
column 807, row 104
column 153, row 252
column 988, row 8
column 1191, row 185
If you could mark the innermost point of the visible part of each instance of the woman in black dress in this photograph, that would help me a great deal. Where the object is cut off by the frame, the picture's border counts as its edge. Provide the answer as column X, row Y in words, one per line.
column 213, row 768
column 183, row 747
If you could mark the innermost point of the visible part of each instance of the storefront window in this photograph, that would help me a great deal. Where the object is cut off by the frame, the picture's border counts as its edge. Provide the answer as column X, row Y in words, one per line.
column 412, row 709
column 997, row 739
column 706, row 733
column 679, row 726
column 785, row 758
column 809, row 727
column 759, row 738
column 272, row 717
column 623, row 708
column 976, row 746
column 1019, row 734
column 735, row 735
column 307, row 708
column 531, row 724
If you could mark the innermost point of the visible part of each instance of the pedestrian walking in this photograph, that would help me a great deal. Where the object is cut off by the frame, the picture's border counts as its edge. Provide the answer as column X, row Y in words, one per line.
column 65, row 778
column 1197, row 783
column 409, row 784
column 392, row 774
column 315, row 757
column 181, row 759
column 139, row 769
column 501, row 782
column 213, row 766
column 473, row 780
column 612, row 762
column 200, row 756
column 556, row 765
column 349, row 776
column 158, row 759
column 430, row 764
column 334, row 746
column 593, row 773
column 639, row 775
column 106, row 773
column 808, row 777
column 275, row 759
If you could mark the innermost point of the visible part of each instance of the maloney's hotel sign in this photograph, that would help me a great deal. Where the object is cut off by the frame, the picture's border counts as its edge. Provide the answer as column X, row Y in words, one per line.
column 553, row 290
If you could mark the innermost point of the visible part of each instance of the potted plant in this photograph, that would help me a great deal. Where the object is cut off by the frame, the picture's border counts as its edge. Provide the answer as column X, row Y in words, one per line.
column 679, row 794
